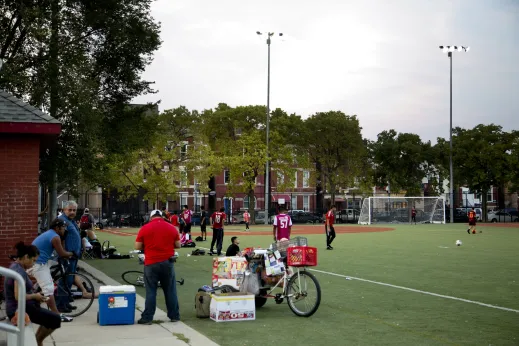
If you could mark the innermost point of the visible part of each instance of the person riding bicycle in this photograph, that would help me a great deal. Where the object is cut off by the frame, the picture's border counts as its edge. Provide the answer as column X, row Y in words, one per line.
column 48, row 321
column 47, row 243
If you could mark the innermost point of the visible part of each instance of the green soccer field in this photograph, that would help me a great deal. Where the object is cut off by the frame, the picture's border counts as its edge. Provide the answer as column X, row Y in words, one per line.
column 406, row 269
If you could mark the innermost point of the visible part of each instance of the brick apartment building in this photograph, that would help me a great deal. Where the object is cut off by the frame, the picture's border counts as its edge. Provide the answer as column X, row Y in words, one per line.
column 25, row 133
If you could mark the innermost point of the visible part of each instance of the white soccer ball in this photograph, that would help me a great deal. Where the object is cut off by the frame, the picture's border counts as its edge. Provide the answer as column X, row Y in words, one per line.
column 458, row 243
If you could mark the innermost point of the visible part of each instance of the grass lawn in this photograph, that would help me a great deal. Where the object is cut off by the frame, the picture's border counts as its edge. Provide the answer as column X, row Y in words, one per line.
column 352, row 312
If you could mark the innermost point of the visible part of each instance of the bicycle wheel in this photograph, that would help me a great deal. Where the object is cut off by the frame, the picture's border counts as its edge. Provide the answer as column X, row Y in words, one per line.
column 134, row 277
column 75, row 294
column 303, row 294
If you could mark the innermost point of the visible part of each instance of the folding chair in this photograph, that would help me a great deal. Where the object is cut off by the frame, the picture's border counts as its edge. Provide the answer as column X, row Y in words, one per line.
column 88, row 254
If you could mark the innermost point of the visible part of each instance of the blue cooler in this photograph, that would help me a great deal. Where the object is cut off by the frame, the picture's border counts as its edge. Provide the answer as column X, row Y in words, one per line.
column 116, row 305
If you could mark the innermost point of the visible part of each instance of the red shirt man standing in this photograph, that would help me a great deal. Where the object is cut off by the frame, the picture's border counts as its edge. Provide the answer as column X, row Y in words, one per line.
column 186, row 216
column 158, row 239
column 217, row 220
column 328, row 227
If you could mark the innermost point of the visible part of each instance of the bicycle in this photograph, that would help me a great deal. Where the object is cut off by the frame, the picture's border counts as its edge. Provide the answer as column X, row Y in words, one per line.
column 60, row 272
column 295, row 287
column 136, row 277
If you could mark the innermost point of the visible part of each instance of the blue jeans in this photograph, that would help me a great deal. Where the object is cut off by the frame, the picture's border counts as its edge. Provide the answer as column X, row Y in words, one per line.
column 163, row 272
column 62, row 297
column 218, row 239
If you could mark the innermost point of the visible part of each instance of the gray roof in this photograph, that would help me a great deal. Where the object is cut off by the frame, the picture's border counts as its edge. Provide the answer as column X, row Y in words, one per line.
column 14, row 110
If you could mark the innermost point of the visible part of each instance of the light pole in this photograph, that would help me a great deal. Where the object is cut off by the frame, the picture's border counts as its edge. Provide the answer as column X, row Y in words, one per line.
column 267, row 167
column 449, row 50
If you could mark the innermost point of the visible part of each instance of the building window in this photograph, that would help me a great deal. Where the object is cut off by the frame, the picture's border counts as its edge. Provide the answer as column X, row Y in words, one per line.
column 281, row 178
column 183, row 151
column 306, row 202
column 246, row 202
column 490, row 196
column 183, row 178
column 293, row 202
column 295, row 180
column 183, row 200
column 226, row 176
column 306, row 178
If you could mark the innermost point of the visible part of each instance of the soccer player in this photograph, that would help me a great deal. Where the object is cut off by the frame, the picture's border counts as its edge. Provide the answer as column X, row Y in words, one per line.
column 186, row 216
column 217, row 221
column 203, row 223
column 282, row 225
column 413, row 215
column 472, row 222
column 246, row 219
column 328, row 227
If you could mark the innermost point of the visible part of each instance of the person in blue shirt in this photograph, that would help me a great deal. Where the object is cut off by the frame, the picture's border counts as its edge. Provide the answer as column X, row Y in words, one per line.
column 72, row 244
column 47, row 243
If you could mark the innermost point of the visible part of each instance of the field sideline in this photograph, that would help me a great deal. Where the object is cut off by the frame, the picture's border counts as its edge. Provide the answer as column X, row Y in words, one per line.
column 407, row 286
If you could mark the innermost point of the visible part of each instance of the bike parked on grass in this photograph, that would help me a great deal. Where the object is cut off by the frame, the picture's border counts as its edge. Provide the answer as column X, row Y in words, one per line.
column 136, row 277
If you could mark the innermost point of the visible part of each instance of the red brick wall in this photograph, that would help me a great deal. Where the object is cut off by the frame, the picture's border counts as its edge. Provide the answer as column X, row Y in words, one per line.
column 19, row 166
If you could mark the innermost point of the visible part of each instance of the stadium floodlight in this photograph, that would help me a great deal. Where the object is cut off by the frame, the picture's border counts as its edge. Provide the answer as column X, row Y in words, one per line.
column 267, row 166
column 449, row 50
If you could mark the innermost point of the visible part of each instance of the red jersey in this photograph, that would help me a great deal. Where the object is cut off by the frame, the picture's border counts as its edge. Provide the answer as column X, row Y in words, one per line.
column 472, row 215
column 186, row 215
column 283, row 224
column 330, row 218
column 174, row 220
column 218, row 219
column 158, row 238
column 413, row 212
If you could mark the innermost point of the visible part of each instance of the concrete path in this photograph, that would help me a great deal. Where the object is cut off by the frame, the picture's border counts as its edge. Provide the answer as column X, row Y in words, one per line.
column 84, row 330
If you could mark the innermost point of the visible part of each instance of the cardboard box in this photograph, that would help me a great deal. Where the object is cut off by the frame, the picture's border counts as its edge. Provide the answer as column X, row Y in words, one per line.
column 228, row 271
column 231, row 307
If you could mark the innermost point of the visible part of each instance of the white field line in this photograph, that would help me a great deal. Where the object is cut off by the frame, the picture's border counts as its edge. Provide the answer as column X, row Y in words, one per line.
column 420, row 291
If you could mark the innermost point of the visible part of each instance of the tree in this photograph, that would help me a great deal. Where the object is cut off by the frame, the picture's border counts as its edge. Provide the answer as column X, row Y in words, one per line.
column 484, row 157
column 401, row 160
column 174, row 156
column 336, row 145
column 82, row 61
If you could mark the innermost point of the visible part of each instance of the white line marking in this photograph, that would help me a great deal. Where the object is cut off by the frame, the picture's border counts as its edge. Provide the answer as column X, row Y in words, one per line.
column 419, row 291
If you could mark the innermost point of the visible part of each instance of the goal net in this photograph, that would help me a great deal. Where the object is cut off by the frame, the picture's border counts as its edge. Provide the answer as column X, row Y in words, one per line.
column 399, row 210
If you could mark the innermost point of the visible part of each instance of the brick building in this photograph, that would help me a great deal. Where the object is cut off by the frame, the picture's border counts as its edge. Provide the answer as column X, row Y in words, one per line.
column 25, row 132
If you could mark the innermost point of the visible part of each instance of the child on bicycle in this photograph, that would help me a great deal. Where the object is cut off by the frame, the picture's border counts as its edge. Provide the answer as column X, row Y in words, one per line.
column 47, row 243
column 47, row 320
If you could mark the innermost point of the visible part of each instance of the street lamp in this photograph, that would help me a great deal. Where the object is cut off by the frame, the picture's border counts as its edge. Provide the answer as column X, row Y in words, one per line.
column 267, row 168
column 449, row 50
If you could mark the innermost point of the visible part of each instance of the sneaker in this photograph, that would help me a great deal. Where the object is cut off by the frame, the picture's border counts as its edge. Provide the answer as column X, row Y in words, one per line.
column 66, row 318
column 329, row 247
column 144, row 322
column 211, row 253
column 174, row 320
column 468, row 231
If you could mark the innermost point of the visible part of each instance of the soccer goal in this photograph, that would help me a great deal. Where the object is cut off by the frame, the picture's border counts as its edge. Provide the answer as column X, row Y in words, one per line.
column 399, row 210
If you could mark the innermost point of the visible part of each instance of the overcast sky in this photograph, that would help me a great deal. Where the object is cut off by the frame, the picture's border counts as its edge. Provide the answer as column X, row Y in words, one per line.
column 377, row 59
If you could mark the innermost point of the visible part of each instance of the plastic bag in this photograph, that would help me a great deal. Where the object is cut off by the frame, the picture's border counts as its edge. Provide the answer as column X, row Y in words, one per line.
column 250, row 283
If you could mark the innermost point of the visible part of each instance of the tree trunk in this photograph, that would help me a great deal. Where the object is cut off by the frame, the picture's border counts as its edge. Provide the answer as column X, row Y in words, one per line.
column 250, row 195
column 484, row 203
column 54, row 99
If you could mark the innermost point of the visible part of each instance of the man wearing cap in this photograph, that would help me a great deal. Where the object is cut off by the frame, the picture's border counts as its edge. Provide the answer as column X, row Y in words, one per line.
column 159, row 239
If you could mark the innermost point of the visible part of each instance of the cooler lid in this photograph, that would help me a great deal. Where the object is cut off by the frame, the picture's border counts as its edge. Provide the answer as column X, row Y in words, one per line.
column 117, row 289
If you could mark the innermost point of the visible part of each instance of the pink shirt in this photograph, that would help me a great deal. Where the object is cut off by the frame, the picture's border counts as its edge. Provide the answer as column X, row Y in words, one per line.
column 283, row 223
column 246, row 217
column 186, row 215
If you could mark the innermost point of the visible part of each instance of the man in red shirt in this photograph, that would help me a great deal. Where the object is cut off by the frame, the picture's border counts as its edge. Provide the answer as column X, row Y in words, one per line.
column 174, row 220
column 186, row 216
column 282, row 225
column 158, row 239
column 328, row 227
column 217, row 221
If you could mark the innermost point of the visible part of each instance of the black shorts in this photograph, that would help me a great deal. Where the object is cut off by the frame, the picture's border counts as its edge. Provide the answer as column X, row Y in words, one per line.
column 187, row 228
column 472, row 222
column 42, row 317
